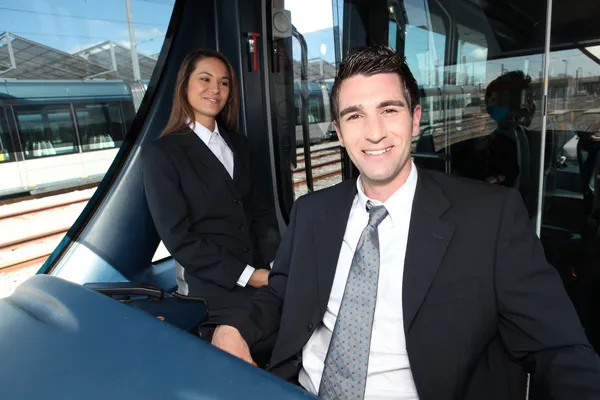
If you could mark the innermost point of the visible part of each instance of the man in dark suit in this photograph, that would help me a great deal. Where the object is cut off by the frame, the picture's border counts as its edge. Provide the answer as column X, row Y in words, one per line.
column 396, row 285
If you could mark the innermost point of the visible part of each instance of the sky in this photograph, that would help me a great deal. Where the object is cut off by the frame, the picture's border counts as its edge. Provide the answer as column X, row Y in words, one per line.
column 73, row 25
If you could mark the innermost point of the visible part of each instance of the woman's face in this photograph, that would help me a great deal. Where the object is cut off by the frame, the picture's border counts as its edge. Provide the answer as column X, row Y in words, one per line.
column 208, row 89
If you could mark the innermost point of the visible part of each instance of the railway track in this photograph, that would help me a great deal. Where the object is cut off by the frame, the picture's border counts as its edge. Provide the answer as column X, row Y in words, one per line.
column 323, row 164
column 320, row 153
column 30, row 230
column 321, row 156
column 320, row 177
column 324, row 161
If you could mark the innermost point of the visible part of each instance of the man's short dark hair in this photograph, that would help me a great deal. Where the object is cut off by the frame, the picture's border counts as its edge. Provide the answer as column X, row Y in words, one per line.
column 369, row 61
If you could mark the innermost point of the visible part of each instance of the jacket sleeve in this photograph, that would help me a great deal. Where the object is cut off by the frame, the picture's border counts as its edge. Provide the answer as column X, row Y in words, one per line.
column 538, row 323
column 258, row 318
column 198, row 255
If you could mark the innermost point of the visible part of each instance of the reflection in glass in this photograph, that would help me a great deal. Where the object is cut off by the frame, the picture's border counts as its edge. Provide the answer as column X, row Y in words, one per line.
column 314, row 22
column 571, row 218
column 483, row 112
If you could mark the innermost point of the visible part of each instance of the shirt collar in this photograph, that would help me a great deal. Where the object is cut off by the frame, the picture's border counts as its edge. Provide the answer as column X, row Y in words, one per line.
column 399, row 203
column 204, row 133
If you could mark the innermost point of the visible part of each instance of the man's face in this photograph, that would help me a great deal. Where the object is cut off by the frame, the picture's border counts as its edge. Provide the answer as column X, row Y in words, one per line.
column 376, row 126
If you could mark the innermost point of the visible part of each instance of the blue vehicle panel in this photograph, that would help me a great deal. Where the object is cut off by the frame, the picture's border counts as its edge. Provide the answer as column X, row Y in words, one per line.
column 50, row 334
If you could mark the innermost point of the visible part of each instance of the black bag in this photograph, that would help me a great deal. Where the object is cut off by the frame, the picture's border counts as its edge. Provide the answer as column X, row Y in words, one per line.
column 184, row 312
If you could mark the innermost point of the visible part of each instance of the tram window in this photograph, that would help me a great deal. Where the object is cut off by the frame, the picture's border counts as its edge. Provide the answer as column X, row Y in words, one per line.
column 571, row 176
column 7, row 152
column 46, row 131
column 117, row 125
column 492, row 92
column 316, row 111
column 472, row 56
column 97, row 130
column 316, row 108
column 65, row 56
column 419, row 33
column 60, row 66
column 425, row 45
column 325, row 152
column 62, row 131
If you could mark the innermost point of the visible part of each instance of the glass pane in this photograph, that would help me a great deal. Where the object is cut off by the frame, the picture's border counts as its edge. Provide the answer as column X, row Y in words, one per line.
column 571, row 213
column 31, row 128
column 316, row 28
column 424, row 46
column 332, row 28
column 493, row 108
column 46, row 132
column 100, row 127
column 66, row 72
column 77, row 57
column 62, row 132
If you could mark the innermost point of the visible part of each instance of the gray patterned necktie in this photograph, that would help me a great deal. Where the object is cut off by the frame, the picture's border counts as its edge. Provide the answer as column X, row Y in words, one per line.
column 345, row 372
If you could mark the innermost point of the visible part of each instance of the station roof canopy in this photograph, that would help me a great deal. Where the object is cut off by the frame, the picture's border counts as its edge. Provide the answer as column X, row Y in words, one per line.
column 117, row 58
column 22, row 59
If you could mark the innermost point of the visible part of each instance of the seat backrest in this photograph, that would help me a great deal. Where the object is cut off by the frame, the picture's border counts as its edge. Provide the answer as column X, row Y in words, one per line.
column 518, row 136
column 425, row 143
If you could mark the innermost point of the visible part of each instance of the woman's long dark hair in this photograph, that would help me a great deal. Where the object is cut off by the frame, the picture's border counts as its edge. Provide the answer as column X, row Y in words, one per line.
column 182, row 111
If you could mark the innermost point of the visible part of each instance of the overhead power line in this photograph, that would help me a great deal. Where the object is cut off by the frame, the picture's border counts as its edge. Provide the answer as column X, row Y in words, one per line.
column 74, row 16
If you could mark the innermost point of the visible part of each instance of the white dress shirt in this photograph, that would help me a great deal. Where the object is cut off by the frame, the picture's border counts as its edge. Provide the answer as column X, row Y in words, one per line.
column 389, row 375
column 218, row 146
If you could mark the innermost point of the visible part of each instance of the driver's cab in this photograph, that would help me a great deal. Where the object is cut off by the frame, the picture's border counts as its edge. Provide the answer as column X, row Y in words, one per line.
column 88, row 317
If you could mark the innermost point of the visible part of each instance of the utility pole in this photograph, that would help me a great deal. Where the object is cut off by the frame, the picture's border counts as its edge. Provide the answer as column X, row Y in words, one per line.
column 566, row 84
column 134, row 57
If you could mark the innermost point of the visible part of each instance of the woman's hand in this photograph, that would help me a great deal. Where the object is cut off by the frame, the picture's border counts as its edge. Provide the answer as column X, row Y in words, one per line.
column 259, row 278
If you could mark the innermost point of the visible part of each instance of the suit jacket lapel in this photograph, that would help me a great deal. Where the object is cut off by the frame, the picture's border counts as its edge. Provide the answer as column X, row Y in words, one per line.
column 328, row 237
column 428, row 239
column 201, row 157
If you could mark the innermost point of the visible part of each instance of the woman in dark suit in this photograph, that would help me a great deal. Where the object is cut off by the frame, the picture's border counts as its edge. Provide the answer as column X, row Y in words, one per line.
column 200, row 190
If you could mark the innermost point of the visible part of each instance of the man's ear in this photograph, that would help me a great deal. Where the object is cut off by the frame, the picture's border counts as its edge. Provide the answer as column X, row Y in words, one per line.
column 339, row 133
column 416, row 123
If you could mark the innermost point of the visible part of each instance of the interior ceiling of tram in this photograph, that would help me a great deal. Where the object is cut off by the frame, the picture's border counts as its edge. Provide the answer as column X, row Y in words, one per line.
column 515, row 27
column 506, row 27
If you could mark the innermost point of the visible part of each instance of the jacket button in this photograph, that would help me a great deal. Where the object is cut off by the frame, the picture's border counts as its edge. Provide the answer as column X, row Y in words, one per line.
column 310, row 326
column 241, row 227
column 246, row 250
